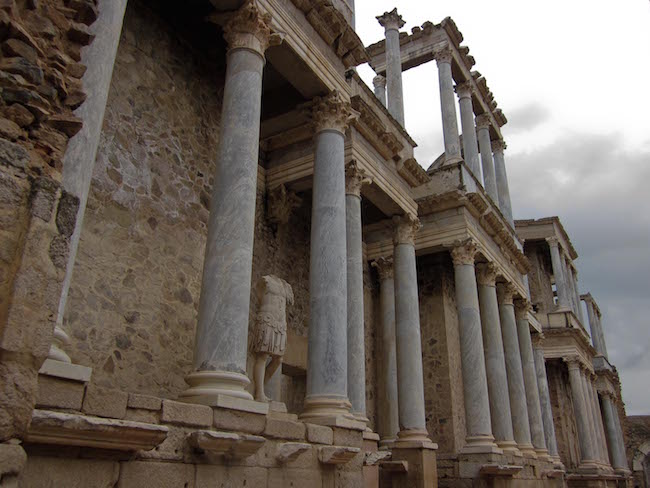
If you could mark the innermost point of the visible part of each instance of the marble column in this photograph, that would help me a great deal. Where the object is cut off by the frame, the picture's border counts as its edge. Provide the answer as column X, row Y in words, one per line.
column 593, row 315
column 598, row 420
column 568, row 277
column 392, row 23
column 558, row 274
column 522, row 307
column 591, row 415
column 379, row 84
column 327, row 376
column 581, row 414
column 495, row 364
column 470, row 144
column 503, row 192
column 410, row 379
column 355, row 178
column 545, row 399
column 221, row 345
column 475, row 387
column 516, row 385
column 614, row 435
column 448, row 105
column 576, row 290
column 388, row 408
column 487, row 163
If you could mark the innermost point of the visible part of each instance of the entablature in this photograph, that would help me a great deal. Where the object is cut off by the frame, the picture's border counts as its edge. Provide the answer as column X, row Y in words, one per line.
column 546, row 228
column 568, row 344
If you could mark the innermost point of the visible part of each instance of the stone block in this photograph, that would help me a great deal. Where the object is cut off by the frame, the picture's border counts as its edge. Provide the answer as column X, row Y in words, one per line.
column 289, row 451
column 337, row 454
column 284, row 429
column 105, row 402
column 142, row 415
column 173, row 448
column 66, row 371
column 286, row 477
column 12, row 459
column 347, row 437
column 234, row 420
column 59, row 393
column 144, row 402
column 230, row 476
column 69, row 473
column 186, row 414
column 319, row 434
column 139, row 474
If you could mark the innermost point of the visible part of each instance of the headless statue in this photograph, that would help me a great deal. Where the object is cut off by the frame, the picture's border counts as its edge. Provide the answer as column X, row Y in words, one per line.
column 270, row 335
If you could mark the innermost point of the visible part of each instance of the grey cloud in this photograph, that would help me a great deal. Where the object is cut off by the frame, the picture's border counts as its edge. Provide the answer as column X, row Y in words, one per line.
column 527, row 117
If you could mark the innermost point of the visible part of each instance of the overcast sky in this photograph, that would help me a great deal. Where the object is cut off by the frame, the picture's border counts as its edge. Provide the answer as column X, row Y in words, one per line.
column 572, row 77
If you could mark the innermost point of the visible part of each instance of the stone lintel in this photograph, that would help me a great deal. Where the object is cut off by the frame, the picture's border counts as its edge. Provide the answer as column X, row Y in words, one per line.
column 337, row 454
column 415, row 444
column 226, row 443
column 338, row 421
column 68, row 371
column 68, row 429
column 493, row 469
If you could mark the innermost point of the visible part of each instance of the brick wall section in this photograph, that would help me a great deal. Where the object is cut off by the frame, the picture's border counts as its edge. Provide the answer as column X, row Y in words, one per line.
column 40, row 86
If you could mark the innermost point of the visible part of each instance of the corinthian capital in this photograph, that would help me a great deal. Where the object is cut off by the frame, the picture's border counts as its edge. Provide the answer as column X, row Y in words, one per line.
column 553, row 241
column 499, row 145
column 464, row 90
column 355, row 178
column 332, row 112
column 406, row 227
column 522, row 307
column 486, row 274
column 464, row 253
column 391, row 20
column 483, row 121
column 506, row 293
column 384, row 266
column 250, row 28
column 443, row 55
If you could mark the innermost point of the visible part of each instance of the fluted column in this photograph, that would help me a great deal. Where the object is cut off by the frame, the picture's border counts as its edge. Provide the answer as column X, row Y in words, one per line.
column 470, row 144
column 495, row 364
column 475, row 388
column 581, row 414
column 379, row 84
column 516, row 386
column 591, row 416
column 576, row 289
column 487, row 162
column 222, row 331
column 388, row 408
column 614, row 432
column 568, row 277
column 593, row 314
column 355, row 178
column 533, row 404
column 545, row 400
column 598, row 420
column 601, row 333
column 327, row 389
column 410, row 379
column 392, row 23
column 448, row 105
column 501, row 176
column 563, row 301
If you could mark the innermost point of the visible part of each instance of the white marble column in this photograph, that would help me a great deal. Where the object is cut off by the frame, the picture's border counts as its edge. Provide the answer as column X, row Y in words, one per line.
column 475, row 387
column 581, row 414
column 327, row 376
column 221, row 345
column 594, row 325
column 388, row 408
column 379, row 84
column 503, row 192
column 614, row 433
column 448, row 105
column 516, row 385
column 392, row 23
column 601, row 333
column 410, row 379
column 591, row 416
column 545, row 399
column 487, row 163
column 495, row 364
column 355, row 178
column 568, row 277
column 563, row 301
column 576, row 291
column 598, row 420
column 522, row 307
column 470, row 144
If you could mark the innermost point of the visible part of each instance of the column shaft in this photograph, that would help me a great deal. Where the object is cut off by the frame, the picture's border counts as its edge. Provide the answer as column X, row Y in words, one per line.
column 392, row 23
column 545, row 402
column 503, row 191
column 601, row 334
column 576, row 380
column 448, row 106
column 576, row 289
column 598, row 421
column 477, row 403
column 594, row 326
column 589, row 409
column 614, row 435
column 563, row 300
column 470, row 144
column 495, row 365
column 516, row 386
column 487, row 163
column 568, row 277
column 379, row 84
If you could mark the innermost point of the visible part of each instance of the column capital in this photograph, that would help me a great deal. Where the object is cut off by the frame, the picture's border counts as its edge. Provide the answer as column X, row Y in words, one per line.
column 486, row 274
column 406, row 227
column 332, row 112
column 464, row 90
column 443, row 55
column 391, row 20
column 483, row 121
column 573, row 362
column 499, row 145
column 537, row 339
column 384, row 266
column 506, row 293
column 587, row 298
column 464, row 253
column 379, row 81
column 355, row 178
column 250, row 28
column 553, row 241
column 522, row 307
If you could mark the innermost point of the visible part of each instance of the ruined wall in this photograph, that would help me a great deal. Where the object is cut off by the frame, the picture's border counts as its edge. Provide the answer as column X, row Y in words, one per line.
column 539, row 277
column 566, row 430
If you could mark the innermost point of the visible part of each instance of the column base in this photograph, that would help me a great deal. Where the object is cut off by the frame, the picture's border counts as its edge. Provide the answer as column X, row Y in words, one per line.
column 206, row 387
column 327, row 407
column 387, row 443
column 360, row 417
column 527, row 450
column 588, row 466
column 414, row 439
column 509, row 447
column 625, row 472
column 542, row 455
column 480, row 444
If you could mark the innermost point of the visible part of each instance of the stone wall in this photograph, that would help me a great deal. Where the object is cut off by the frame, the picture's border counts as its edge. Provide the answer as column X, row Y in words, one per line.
column 637, row 433
column 566, row 431
column 539, row 277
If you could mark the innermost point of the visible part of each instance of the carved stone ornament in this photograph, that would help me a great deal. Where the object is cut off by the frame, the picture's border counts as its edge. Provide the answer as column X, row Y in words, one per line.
column 572, row 362
column 464, row 90
column 537, row 339
column 499, row 145
column 384, row 266
column 379, row 81
column 391, row 20
column 486, row 274
column 406, row 228
column 522, row 307
column 553, row 241
column 443, row 55
column 464, row 253
column 506, row 294
column 250, row 28
column 483, row 121
column 332, row 112
column 280, row 202
column 355, row 178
